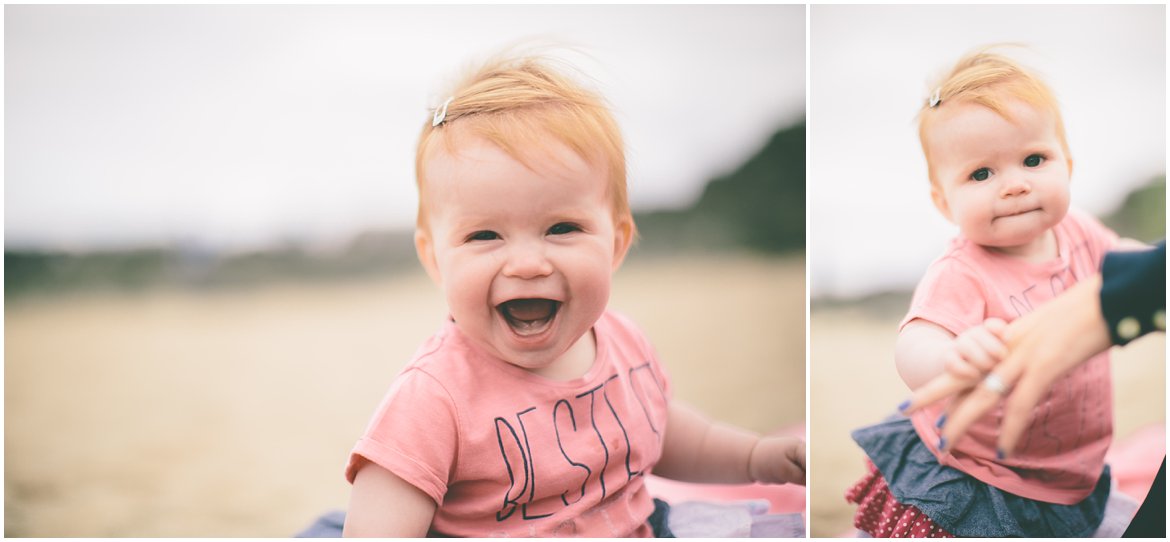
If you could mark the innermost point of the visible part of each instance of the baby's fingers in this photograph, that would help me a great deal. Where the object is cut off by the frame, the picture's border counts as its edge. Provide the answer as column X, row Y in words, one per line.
column 997, row 327
column 981, row 348
column 795, row 470
column 780, row 460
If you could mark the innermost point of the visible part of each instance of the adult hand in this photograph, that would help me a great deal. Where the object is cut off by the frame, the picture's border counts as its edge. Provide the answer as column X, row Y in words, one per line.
column 1042, row 346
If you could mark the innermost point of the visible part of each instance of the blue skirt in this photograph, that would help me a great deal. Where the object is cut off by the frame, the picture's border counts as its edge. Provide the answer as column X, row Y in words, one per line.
column 963, row 505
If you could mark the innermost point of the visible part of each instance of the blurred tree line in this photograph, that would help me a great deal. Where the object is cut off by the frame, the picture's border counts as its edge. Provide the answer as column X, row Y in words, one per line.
column 368, row 254
column 759, row 207
column 1142, row 215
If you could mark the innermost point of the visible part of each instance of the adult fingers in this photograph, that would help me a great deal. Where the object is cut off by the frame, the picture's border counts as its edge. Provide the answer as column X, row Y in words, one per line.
column 981, row 399
column 941, row 387
column 965, row 371
column 964, row 413
column 958, row 400
column 1017, row 410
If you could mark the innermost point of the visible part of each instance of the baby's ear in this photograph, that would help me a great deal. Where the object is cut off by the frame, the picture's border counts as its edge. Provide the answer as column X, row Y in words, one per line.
column 623, row 236
column 424, row 246
column 940, row 201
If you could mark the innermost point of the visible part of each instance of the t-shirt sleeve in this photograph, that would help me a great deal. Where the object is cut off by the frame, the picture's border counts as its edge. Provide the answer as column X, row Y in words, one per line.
column 656, row 365
column 626, row 326
column 412, row 434
column 950, row 295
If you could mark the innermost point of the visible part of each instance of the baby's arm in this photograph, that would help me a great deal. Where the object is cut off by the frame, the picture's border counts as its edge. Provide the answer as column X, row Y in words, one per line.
column 384, row 505
column 925, row 350
column 699, row 450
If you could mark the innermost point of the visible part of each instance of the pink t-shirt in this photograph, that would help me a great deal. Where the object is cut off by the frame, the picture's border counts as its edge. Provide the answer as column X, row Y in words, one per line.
column 1061, row 455
column 504, row 452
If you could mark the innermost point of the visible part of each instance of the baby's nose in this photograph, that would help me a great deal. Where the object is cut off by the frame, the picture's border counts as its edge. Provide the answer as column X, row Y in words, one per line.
column 527, row 260
column 1016, row 185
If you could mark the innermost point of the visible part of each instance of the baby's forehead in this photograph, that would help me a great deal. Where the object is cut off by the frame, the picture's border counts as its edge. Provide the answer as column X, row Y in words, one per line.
column 540, row 152
column 1015, row 112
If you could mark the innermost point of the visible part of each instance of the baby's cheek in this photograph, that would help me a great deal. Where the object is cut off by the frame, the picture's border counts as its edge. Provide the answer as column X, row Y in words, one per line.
column 465, row 287
column 974, row 222
column 596, row 290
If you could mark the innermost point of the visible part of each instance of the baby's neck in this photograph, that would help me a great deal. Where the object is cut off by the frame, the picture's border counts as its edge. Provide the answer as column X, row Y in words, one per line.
column 575, row 362
column 1041, row 249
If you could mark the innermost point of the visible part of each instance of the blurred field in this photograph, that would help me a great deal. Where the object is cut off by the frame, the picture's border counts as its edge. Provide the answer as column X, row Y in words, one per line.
column 231, row 412
column 854, row 383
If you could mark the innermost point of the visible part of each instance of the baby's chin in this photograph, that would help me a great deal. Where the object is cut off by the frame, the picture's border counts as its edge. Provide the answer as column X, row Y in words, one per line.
column 549, row 364
column 1024, row 244
column 532, row 358
column 567, row 357
column 1018, row 229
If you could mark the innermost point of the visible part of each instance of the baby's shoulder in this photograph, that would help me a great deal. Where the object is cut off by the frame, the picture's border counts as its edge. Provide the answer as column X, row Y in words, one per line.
column 440, row 363
column 962, row 258
column 614, row 322
column 958, row 271
column 1083, row 224
column 620, row 328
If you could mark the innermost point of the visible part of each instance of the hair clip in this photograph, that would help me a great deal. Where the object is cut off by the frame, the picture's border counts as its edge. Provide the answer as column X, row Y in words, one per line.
column 934, row 98
column 441, row 112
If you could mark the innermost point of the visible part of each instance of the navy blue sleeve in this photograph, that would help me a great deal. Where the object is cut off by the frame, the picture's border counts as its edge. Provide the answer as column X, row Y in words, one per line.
column 1133, row 292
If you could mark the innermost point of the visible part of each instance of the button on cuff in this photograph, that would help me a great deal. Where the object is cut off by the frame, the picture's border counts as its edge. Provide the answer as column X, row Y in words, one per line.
column 1128, row 328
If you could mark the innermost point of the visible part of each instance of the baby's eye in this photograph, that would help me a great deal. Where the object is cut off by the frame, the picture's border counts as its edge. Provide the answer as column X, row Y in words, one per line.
column 981, row 174
column 562, row 228
column 483, row 235
column 1034, row 160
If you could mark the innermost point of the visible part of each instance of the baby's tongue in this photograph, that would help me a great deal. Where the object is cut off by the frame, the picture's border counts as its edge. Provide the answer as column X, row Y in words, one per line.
column 529, row 310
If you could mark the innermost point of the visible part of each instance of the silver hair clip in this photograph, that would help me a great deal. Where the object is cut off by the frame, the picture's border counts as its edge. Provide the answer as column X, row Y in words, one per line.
column 441, row 112
column 934, row 98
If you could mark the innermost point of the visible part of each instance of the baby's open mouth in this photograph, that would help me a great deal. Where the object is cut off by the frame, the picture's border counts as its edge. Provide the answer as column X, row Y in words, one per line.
column 529, row 316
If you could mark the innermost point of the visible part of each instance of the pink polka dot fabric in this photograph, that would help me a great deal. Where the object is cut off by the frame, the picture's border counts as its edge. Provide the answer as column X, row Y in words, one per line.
column 880, row 515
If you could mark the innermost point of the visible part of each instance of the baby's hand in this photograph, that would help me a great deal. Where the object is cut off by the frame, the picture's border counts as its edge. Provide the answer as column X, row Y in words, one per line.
column 777, row 460
column 976, row 351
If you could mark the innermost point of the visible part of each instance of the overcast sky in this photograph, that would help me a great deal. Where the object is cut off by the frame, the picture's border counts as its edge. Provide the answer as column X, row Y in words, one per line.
column 871, row 223
column 241, row 125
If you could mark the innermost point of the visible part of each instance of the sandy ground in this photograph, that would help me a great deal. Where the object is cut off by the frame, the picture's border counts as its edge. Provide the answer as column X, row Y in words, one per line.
column 232, row 413
column 854, row 383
